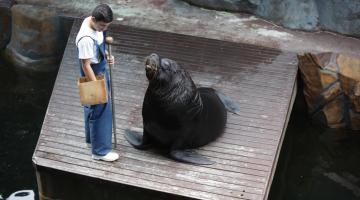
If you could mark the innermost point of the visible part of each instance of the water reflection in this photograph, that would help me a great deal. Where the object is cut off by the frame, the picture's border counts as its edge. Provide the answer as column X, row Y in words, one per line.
column 23, row 102
column 317, row 162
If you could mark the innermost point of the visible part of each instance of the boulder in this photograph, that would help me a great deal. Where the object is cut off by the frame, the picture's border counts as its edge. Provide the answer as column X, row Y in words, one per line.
column 340, row 16
column 226, row 5
column 332, row 88
column 37, row 39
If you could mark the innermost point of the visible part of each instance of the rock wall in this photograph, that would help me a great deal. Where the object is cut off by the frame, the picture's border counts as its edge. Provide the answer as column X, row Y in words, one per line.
column 38, row 38
column 332, row 88
column 342, row 16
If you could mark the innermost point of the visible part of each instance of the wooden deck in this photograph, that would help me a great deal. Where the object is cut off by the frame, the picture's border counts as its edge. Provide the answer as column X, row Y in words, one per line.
column 261, row 79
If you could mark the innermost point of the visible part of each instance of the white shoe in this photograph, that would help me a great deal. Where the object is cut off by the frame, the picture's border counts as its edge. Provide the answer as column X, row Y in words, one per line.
column 109, row 157
column 88, row 145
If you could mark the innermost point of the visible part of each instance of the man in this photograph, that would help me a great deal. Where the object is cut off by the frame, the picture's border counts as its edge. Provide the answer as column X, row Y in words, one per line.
column 90, row 42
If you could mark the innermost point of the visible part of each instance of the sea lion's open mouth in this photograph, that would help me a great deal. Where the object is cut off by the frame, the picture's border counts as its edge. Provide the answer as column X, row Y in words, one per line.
column 151, row 66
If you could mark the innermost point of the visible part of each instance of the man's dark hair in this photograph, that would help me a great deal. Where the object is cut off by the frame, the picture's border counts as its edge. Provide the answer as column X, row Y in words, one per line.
column 103, row 13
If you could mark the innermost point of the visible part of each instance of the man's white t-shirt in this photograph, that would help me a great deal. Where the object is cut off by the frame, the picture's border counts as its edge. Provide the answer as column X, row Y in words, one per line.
column 86, row 46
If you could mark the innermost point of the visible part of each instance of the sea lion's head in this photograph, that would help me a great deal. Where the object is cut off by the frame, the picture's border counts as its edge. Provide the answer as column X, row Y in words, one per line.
column 166, row 75
column 162, row 70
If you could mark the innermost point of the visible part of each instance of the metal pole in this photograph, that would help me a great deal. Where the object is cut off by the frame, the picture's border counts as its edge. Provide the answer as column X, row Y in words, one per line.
column 109, row 41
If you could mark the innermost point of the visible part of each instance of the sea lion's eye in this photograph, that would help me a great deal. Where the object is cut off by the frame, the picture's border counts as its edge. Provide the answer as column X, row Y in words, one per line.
column 165, row 64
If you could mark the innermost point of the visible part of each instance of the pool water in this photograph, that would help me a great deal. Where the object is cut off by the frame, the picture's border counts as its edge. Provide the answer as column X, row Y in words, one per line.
column 316, row 162
column 23, row 102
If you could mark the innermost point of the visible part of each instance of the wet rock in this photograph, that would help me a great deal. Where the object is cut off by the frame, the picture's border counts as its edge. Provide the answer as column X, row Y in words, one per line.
column 226, row 5
column 334, row 15
column 37, row 39
column 332, row 88
column 341, row 16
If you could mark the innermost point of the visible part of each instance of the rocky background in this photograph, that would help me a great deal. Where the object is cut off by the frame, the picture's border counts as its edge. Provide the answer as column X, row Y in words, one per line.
column 342, row 16
column 33, row 37
column 332, row 88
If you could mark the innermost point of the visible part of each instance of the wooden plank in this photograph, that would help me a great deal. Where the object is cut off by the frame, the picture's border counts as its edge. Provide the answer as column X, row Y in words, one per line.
column 282, row 136
column 243, row 96
column 67, row 164
column 126, row 30
column 124, row 76
column 122, row 121
column 131, row 95
column 240, row 163
column 224, row 83
column 228, row 135
column 200, row 80
column 152, row 42
column 228, row 151
column 234, row 121
column 214, row 47
column 234, row 137
column 261, row 70
column 246, row 109
column 130, row 161
column 157, row 176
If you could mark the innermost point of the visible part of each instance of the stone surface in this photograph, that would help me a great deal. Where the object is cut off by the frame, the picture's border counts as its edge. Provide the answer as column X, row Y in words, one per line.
column 332, row 88
column 37, row 39
column 311, row 76
column 341, row 16
column 180, row 17
column 226, row 5
column 334, row 115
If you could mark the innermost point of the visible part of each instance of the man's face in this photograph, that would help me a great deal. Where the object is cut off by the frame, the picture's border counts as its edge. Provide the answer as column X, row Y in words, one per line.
column 99, row 25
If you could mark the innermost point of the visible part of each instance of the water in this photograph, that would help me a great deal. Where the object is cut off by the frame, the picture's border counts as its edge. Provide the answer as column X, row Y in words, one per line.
column 23, row 102
column 316, row 162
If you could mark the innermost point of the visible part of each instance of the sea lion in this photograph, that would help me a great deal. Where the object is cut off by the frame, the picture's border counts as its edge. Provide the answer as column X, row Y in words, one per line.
column 177, row 115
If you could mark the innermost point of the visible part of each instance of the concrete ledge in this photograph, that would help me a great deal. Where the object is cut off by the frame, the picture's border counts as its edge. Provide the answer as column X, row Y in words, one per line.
column 180, row 17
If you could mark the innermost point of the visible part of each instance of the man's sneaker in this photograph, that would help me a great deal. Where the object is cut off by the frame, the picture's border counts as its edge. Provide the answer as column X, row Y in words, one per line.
column 109, row 157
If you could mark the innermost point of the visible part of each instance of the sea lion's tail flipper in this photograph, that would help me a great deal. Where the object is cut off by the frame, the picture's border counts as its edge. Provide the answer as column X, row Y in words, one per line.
column 190, row 156
column 136, row 140
column 230, row 104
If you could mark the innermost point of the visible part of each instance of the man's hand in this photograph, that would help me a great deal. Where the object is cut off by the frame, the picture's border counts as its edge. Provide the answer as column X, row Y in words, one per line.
column 111, row 60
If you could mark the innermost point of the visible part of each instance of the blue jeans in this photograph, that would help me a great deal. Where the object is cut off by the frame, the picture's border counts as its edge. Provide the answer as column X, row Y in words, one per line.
column 98, row 118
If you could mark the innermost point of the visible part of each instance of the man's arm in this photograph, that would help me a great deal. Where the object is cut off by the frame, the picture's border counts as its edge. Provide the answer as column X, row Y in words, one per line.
column 86, row 52
column 89, row 73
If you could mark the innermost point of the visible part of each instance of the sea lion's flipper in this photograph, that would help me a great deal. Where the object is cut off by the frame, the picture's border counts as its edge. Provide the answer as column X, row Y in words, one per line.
column 136, row 140
column 190, row 156
column 230, row 104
